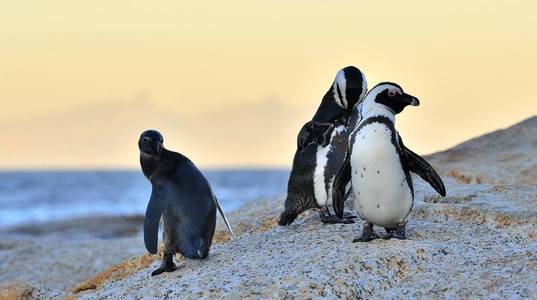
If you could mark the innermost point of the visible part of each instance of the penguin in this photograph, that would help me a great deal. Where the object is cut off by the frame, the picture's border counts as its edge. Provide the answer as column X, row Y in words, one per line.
column 380, row 165
column 321, row 150
column 183, row 197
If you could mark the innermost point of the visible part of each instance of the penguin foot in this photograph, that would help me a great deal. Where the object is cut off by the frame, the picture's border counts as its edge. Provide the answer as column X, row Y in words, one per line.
column 166, row 266
column 328, row 218
column 347, row 215
column 397, row 232
column 335, row 220
column 287, row 217
column 364, row 239
column 161, row 270
column 368, row 234
column 395, row 236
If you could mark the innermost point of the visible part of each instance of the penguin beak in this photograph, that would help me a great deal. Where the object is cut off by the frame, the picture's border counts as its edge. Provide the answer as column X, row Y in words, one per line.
column 411, row 100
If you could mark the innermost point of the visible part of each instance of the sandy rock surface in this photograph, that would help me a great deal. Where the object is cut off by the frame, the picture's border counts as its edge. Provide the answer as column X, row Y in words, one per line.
column 54, row 267
column 479, row 242
column 16, row 290
column 504, row 156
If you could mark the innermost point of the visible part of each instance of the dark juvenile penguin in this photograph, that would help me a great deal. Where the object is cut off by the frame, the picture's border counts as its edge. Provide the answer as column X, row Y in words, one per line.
column 321, row 149
column 380, row 165
column 184, row 199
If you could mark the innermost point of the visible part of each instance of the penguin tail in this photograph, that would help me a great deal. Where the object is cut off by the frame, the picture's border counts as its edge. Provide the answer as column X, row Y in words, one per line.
column 287, row 217
column 224, row 217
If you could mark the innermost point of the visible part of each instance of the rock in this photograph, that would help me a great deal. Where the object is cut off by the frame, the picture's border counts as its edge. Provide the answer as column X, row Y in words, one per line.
column 479, row 244
column 16, row 291
column 505, row 156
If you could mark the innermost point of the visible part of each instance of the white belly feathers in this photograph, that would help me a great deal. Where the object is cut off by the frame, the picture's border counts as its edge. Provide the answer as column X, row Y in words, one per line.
column 382, row 194
column 322, row 195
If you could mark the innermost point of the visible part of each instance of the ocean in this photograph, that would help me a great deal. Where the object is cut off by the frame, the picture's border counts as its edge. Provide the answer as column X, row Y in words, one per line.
column 28, row 197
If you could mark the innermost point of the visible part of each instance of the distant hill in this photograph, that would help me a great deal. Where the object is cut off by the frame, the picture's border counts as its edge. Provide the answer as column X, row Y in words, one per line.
column 503, row 156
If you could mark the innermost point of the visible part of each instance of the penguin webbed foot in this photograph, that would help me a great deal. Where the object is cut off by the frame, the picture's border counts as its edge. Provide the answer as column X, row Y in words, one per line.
column 392, row 234
column 347, row 215
column 366, row 238
column 167, row 265
column 398, row 232
column 368, row 234
column 328, row 218
column 161, row 270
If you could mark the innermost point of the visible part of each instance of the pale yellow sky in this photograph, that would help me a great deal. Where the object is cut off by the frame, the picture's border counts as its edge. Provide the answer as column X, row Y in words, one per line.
column 230, row 83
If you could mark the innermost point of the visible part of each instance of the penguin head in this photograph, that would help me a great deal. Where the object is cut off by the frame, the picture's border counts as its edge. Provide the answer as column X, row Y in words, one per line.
column 390, row 95
column 349, row 87
column 151, row 143
column 347, row 90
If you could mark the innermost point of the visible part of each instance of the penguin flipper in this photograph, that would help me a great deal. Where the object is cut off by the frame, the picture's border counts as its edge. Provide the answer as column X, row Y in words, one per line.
column 154, row 211
column 420, row 166
column 340, row 183
column 314, row 133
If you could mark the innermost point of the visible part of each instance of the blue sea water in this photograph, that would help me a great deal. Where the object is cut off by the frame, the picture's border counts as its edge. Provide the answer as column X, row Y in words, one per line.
column 34, row 197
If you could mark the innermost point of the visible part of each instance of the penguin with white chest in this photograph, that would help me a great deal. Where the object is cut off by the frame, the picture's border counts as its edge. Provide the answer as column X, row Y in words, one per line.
column 321, row 149
column 380, row 165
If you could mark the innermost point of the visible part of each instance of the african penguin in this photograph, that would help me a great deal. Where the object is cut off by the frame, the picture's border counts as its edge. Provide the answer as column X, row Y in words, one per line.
column 184, row 199
column 380, row 164
column 321, row 149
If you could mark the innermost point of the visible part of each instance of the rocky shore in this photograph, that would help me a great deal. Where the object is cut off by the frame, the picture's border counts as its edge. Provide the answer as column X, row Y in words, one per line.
column 478, row 242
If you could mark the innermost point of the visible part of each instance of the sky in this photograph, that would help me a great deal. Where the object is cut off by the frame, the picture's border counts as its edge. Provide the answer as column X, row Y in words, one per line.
column 230, row 83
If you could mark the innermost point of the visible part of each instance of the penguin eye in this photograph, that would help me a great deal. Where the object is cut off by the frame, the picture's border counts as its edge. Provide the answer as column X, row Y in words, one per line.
column 391, row 93
column 146, row 139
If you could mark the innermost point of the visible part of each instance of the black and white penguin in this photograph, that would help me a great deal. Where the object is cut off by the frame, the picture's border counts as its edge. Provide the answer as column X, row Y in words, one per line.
column 184, row 199
column 380, row 165
column 321, row 149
